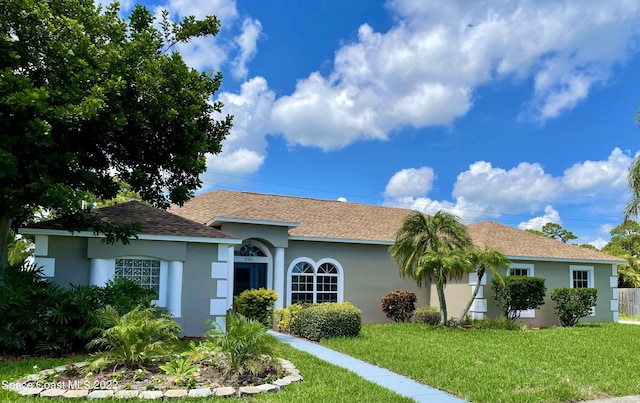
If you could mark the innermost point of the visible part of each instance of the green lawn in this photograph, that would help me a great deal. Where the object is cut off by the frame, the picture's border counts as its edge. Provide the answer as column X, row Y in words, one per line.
column 323, row 382
column 547, row 365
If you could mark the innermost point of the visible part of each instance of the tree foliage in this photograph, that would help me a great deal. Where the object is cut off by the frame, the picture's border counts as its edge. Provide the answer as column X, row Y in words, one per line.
column 86, row 96
column 554, row 231
column 632, row 208
column 483, row 259
column 625, row 243
column 431, row 248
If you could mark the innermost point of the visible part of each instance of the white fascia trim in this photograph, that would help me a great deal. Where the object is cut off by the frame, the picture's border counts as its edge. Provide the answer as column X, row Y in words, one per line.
column 144, row 237
column 560, row 259
column 340, row 240
column 289, row 224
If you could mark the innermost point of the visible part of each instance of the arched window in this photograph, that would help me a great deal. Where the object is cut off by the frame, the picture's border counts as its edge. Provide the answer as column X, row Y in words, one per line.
column 302, row 283
column 311, row 282
column 327, row 283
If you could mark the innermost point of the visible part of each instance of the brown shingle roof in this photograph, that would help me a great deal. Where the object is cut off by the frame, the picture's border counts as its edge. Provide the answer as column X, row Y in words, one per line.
column 355, row 221
column 317, row 218
column 154, row 221
column 515, row 242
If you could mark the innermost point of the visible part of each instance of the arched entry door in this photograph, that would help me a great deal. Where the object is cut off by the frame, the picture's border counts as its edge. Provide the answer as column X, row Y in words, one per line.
column 251, row 267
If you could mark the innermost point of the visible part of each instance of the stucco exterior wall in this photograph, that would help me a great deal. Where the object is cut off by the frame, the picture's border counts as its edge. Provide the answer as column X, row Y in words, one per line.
column 275, row 235
column 369, row 274
column 96, row 249
column 457, row 294
column 71, row 263
column 557, row 275
column 198, row 288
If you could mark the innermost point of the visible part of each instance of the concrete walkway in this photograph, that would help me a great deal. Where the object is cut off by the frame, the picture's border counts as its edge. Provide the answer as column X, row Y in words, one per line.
column 400, row 384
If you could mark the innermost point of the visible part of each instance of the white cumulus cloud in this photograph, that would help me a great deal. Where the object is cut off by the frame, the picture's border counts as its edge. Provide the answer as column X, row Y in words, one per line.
column 424, row 70
column 550, row 215
column 410, row 182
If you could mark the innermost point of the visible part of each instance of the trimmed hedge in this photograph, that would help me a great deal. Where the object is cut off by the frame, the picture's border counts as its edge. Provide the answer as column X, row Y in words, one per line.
column 287, row 318
column 429, row 315
column 328, row 320
column 399, row 305
column 256, row 304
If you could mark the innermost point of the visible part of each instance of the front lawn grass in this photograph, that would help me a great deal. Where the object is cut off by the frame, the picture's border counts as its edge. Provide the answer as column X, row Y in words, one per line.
column 323, row 382
column 557, row 364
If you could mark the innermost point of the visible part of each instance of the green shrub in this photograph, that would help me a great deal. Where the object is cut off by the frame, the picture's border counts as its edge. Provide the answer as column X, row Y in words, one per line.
column 41, row 317
column 573, row 304
column 134, row 338
column 23, row 304
column 328, row 320
column 244, row 341
column 256, row 304
column 287, row 318
column 427, row 314
column 518, row 293
column 399, row 305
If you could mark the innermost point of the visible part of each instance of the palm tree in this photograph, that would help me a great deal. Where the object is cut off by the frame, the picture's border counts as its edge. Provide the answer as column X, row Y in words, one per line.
column 427, row 248
column 482, row 260
column 632, row 209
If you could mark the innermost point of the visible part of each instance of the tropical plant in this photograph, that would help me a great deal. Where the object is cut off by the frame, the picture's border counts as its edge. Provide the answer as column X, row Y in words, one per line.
column 182, row 368
column 399, row 305
column 483, row 259
column 134, row 338
column 632, row 208
column 515, row 294
column 573, row 304
column 427, row 248
column 243, row 341
column 23, row 304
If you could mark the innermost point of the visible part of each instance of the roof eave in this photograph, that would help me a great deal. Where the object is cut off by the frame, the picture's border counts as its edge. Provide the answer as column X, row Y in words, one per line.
column 340, row 240
column 564, row 259
column 237, row 220
column 143, row 237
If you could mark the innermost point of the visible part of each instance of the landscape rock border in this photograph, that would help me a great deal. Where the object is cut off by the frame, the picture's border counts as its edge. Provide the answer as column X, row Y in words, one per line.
column 29, row 387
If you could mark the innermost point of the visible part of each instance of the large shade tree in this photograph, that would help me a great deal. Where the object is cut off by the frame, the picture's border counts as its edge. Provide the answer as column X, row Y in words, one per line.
column 430, row 248
column 87, row 96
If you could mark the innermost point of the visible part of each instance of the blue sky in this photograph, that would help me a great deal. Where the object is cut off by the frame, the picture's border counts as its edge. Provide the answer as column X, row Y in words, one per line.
column 517, row 112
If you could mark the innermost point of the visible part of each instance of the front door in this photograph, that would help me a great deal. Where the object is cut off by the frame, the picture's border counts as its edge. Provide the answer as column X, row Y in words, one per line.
column 249, row 276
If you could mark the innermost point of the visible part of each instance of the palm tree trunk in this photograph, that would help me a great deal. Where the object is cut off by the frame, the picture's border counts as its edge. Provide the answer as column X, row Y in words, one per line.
column 480, row 273
column 443, row 303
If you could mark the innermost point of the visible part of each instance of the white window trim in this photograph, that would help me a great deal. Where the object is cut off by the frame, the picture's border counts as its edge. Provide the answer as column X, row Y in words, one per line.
column 590, row 279
column 315, row 266
column 527, row 313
